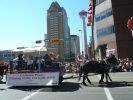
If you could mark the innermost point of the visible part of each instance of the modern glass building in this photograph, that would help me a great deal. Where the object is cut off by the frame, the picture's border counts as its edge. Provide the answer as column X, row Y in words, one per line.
column 75, row 46
column 58, row 29
column 110, row 31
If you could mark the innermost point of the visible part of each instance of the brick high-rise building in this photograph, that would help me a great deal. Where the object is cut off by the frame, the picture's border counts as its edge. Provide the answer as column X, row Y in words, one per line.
column 58, row 29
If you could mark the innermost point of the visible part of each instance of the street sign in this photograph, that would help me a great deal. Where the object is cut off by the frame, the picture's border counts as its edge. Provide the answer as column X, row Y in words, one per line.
column 46, row 40
column 54, row 41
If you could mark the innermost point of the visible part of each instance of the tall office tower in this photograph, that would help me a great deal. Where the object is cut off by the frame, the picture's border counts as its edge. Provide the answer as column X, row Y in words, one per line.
column 75, row 46
column 58, row 31
column 111, row 34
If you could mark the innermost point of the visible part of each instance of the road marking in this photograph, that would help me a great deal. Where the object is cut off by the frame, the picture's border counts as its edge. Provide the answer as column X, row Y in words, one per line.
column 107, row 92
column 29, row 96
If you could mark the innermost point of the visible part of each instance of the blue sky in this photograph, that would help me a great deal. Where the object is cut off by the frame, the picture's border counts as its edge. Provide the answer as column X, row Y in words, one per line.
column 22, row 22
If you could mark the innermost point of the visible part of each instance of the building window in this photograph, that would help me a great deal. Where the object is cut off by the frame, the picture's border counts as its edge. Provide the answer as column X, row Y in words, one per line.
column 1, row 55
column 9, row 55
column 99, row 2
column 109, row 12
column 5, row 55
column 103, row 15
column 105, row 31
column 60, row 13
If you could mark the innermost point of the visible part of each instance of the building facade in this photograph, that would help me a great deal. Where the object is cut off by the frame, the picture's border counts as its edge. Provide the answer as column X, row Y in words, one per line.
column 75, row 46
column 7, row 55
column 58, row 30
column 110, row 31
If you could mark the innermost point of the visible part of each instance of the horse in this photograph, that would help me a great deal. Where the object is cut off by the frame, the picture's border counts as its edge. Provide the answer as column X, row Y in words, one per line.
column 101, row 67
column 3, row 68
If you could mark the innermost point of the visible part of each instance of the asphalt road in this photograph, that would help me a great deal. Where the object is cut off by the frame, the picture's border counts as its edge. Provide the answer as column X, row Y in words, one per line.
column 121, row 88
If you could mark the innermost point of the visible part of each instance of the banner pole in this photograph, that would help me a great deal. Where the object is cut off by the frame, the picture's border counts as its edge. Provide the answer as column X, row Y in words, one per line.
column 132, row 33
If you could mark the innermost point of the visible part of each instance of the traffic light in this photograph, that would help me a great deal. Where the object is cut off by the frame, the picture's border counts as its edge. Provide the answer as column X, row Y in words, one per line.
column 38, row 41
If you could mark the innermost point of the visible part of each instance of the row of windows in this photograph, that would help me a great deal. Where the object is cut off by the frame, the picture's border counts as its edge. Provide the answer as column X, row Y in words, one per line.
column 7, row 55
column 99, row 2
column 54, row 13
column 55, row 28
column 103, row 14
column 105, row 31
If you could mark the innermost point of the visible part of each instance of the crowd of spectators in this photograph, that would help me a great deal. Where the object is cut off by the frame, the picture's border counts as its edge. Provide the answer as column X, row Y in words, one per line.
column 33, row 63
column 71, row 67
column 124, row 65
column 74, row 67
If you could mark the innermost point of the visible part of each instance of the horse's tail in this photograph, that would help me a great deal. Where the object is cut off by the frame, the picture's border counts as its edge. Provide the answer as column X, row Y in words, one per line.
column 80, row 73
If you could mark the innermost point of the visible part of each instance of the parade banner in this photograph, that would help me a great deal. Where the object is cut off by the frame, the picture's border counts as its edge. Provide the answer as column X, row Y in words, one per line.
column 33, row 79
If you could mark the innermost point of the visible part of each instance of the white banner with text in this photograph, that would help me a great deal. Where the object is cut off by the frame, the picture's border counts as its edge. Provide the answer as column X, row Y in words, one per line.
column 33, row 79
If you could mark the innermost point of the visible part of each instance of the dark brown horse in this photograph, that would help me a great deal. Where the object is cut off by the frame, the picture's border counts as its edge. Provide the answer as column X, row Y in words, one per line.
column 99, row 68
column 3, row 68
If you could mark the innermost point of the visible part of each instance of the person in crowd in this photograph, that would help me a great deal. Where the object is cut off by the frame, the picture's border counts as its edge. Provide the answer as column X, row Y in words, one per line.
column 86, row 59
column 54, row 59
column 52, row 56
column 25, row 61
column 30, row 62
column 35, row 63
column 67, row 68
column 19, row 61
column 80, row 60
column 47, row 60
column 131, row 64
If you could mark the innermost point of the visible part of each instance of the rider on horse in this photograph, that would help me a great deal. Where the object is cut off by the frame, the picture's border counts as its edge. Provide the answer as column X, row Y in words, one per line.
column 112, row 60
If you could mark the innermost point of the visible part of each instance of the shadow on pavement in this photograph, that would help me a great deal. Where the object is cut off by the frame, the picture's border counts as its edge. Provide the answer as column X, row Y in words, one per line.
column 112, row 84
column 65, row 87
column 26, row 88
column 1, row 82
column 1, row 89
column 118, row 84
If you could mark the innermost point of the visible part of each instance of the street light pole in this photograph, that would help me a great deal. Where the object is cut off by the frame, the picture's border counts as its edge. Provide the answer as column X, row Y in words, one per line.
column 82, row 52
column 75, row 49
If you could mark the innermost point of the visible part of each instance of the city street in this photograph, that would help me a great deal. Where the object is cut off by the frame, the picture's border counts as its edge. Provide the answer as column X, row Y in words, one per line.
column 121, row 88
column 45, row 41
